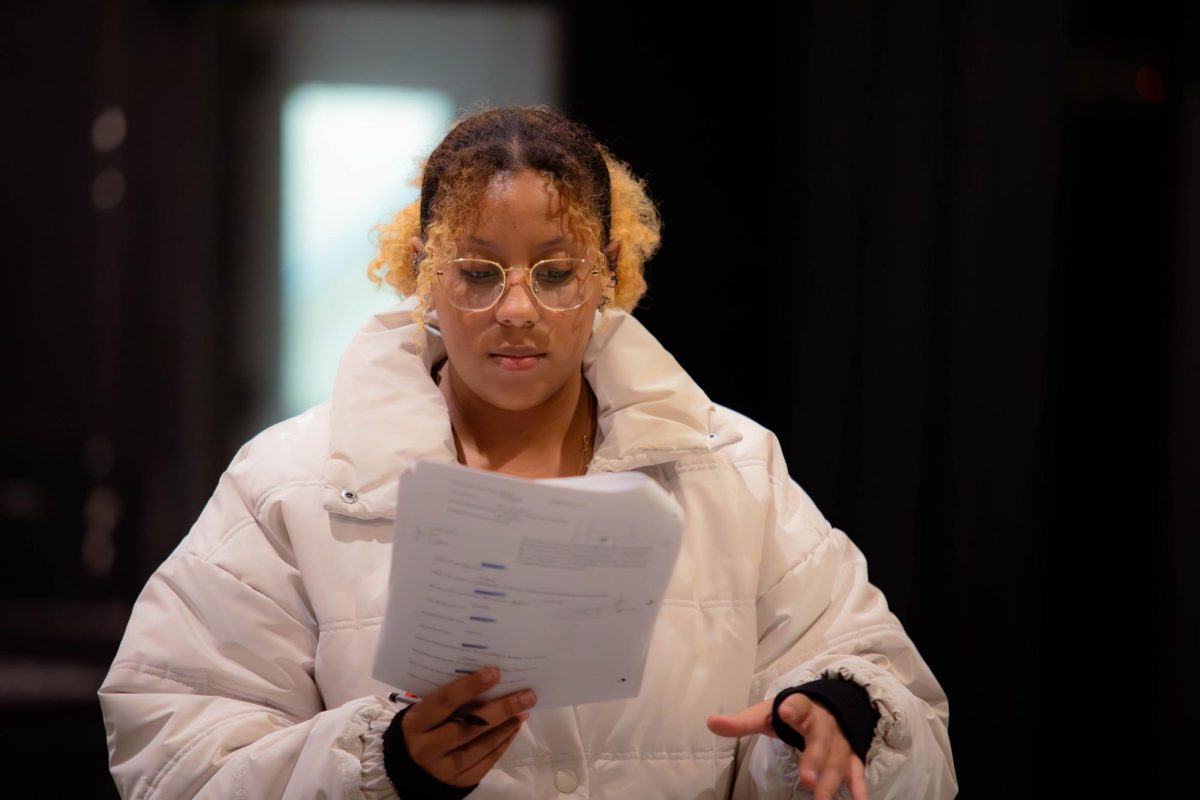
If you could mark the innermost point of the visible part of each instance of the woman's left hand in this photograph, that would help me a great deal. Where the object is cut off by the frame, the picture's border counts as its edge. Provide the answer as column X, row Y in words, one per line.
column 827, row 760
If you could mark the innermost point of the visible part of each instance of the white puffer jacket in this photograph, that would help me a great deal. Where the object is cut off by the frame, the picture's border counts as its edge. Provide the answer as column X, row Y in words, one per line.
column 245, row 668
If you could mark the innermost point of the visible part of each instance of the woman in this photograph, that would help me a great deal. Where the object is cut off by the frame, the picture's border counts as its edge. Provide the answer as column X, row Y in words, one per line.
column 245, row 670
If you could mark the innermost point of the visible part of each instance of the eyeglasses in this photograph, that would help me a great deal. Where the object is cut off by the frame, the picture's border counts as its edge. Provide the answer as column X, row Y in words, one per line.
column 476, row 284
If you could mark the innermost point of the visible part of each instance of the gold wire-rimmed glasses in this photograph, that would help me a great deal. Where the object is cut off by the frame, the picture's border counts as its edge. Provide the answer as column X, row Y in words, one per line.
column 477, row 284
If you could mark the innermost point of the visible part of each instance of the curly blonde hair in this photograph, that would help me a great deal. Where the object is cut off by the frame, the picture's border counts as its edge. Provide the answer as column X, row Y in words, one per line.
column 600, row 198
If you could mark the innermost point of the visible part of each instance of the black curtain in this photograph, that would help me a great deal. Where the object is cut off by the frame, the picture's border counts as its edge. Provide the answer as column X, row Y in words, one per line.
column 943, row 250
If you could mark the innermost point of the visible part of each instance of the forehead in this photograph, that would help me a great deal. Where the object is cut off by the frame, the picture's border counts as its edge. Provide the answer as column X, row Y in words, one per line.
column 518, row 210
column 524, row 201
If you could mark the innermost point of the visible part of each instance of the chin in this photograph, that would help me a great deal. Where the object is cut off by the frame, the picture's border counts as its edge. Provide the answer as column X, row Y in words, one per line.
column 517, row 404
column 519, row 398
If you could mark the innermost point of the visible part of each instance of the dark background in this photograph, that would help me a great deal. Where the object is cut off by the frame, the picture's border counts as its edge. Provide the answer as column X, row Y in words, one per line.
column 946, row 251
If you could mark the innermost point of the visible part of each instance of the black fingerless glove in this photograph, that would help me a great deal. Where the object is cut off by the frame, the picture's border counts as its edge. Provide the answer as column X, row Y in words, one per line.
column 845, row 699
column 410, row 778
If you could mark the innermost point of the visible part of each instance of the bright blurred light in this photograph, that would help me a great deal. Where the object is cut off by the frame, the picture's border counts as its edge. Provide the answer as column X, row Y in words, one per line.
column 108, row 129
column 349, row 152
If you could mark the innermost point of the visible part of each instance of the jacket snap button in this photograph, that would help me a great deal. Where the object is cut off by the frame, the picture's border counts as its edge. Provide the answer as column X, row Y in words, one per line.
column 349, row 496
column 713, row 436
column 565, row 780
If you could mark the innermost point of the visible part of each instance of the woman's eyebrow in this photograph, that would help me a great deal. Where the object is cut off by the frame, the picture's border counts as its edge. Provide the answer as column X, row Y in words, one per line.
column 542, row 246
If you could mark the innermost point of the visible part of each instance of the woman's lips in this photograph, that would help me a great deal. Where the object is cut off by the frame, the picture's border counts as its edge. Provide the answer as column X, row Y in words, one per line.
column 517, row 362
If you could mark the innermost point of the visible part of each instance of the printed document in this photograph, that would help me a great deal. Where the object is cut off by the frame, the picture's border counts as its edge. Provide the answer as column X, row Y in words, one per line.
column 557, row 581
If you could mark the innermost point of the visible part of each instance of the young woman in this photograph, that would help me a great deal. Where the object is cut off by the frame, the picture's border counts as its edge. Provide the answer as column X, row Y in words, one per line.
column 775, row 666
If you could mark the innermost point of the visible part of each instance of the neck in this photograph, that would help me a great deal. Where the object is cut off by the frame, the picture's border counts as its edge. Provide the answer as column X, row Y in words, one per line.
column 542, row 441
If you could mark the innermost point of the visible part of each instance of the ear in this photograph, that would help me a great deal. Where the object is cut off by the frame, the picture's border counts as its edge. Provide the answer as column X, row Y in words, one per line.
column 613, row 254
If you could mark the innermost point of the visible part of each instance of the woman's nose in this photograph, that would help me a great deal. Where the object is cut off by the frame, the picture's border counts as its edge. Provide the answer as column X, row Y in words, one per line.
column 517, row 305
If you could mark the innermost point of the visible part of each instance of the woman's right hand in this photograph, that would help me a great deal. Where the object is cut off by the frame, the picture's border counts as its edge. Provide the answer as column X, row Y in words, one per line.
column 459, row 753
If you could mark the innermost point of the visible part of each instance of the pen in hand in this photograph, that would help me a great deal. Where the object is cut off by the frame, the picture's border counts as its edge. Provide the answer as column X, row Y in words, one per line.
column 408, row 698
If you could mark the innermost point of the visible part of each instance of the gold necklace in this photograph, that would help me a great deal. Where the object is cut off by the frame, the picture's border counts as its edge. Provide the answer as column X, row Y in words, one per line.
column 584, row 448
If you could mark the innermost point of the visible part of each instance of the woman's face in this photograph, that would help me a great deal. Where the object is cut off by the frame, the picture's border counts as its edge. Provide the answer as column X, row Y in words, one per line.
column 518, row 227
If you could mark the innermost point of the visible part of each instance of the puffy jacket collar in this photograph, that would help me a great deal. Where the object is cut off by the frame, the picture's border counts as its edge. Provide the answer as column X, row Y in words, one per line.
column 386, row 410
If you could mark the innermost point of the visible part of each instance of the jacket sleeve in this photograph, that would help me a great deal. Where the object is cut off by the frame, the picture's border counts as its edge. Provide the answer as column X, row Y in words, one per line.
column 818, row 616
column 211, row 693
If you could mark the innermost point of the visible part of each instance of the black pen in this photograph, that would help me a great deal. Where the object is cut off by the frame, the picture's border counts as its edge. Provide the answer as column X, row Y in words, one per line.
column 409, row 698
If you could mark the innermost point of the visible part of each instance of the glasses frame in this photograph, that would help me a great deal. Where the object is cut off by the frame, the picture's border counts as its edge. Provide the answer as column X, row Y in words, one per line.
column 504, row 283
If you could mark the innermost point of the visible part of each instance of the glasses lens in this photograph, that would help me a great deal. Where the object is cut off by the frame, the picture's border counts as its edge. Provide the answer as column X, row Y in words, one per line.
column 561, row 283
column 471, row 283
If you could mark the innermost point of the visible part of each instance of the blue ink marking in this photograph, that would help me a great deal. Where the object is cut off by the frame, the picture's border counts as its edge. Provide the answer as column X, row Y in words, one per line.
column 481, row 619
column 492, row 566
column 475, row 646
column 490, row 593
